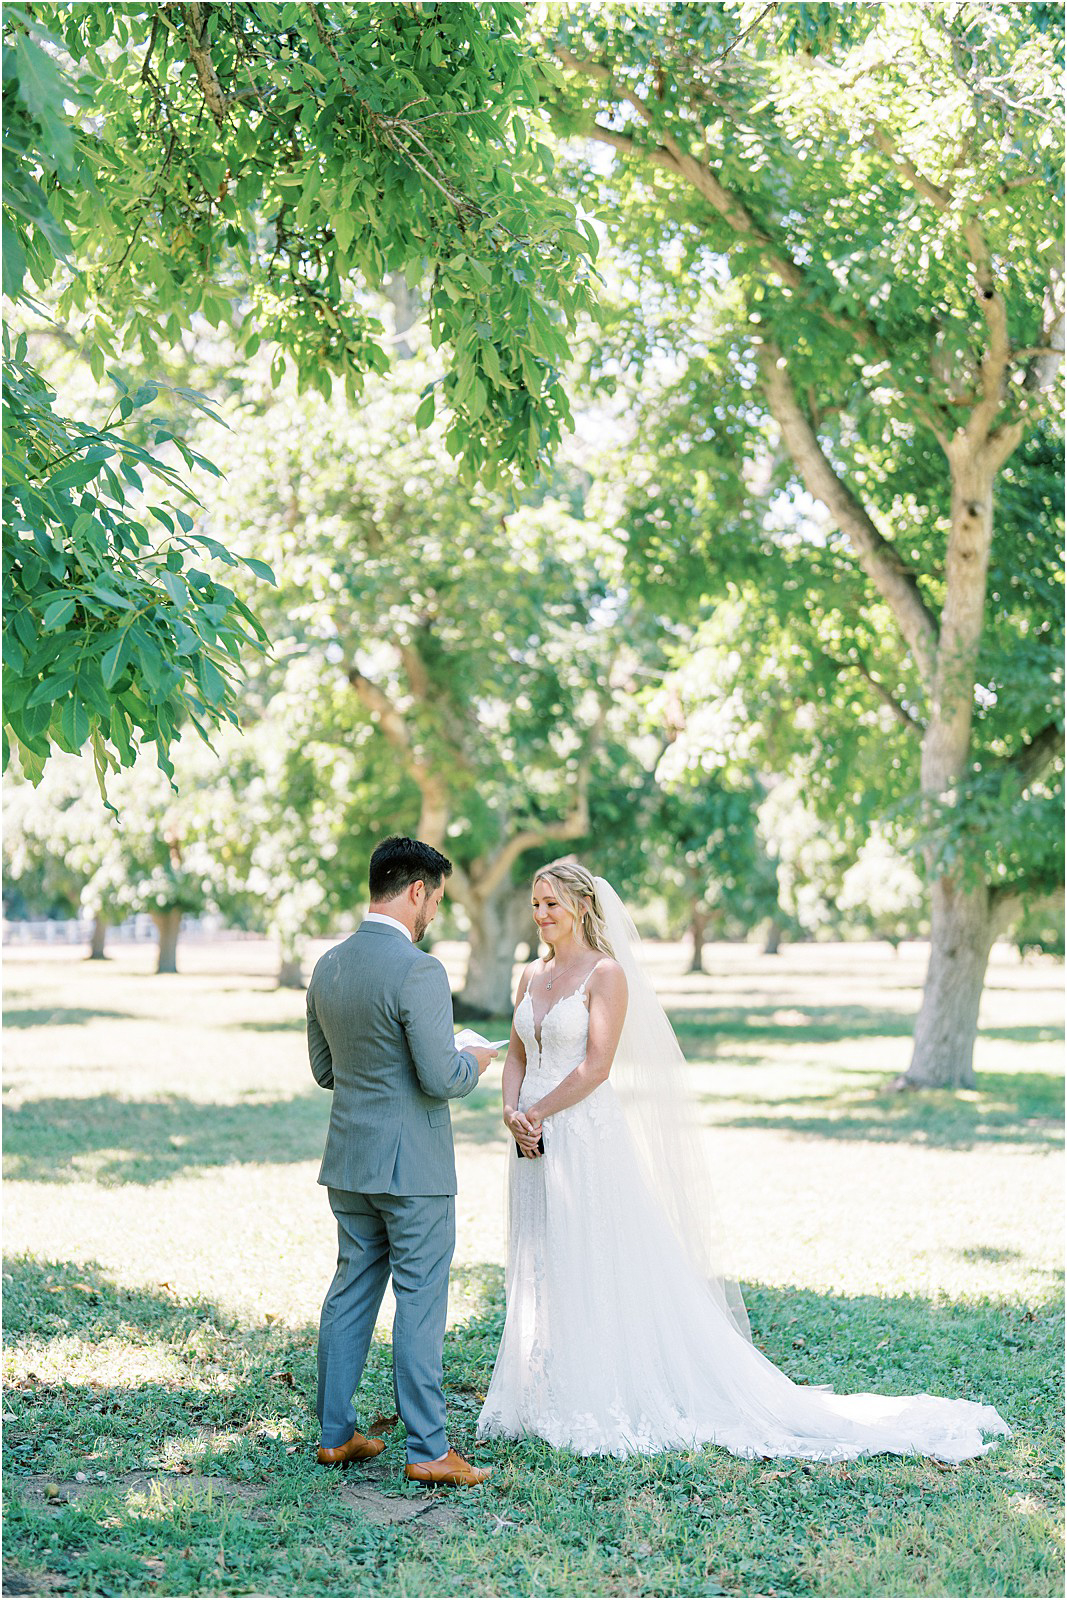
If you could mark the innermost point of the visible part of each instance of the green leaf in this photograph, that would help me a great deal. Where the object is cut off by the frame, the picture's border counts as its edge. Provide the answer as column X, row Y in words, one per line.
column 51, row 689
column 344, row 228
column 260, row 568
column 175, row 588
column 75, row 476
column 74, row 723
column 58, row 612
column 14, row 264
column 32, row 763
column 113, row 662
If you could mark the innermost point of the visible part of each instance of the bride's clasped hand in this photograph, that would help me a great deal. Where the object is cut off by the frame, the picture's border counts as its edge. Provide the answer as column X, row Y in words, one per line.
column 623, row 1332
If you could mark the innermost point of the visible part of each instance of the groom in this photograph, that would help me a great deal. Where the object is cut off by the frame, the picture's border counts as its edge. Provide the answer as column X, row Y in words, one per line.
column 380, row 1035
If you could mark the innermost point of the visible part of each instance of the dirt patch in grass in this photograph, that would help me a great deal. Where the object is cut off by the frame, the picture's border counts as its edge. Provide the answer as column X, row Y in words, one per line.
column 369, row 1492
column 36, row 1582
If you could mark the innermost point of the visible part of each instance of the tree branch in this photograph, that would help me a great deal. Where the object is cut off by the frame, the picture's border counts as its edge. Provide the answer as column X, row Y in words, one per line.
column 994, row 363
column 440, row 705
column 893, row 580
column 389, row 719
column 571, row 827
column 728, row 206
column 1007, row 901
column 655, row 156
column 1045, row 361
column 434, row 818
column 1038, row 754
column 195, row 19
column 902, row 714
column 939, row 197
column 671, row 155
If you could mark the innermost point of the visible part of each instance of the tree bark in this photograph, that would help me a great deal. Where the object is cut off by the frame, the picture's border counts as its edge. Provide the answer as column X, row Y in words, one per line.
column 498, row 921
column 698, row 927
column 963, row 927
column 97, row 939
column 169, row 923
column 962, row 924
column 290, row 972
column 773, row 940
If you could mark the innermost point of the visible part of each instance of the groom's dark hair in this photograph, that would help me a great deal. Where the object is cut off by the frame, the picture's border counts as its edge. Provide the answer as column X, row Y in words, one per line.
column 397, row 862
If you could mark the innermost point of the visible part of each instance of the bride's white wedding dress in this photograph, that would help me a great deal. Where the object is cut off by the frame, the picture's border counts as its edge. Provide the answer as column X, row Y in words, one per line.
column 613, row 1343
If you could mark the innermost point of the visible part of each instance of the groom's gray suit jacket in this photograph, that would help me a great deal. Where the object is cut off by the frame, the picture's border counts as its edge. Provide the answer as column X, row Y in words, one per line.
column 380, row 1035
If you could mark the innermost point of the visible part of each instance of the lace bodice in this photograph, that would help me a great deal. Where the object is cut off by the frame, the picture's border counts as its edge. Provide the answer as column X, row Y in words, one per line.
column 564, row 1031
column 564, row 1035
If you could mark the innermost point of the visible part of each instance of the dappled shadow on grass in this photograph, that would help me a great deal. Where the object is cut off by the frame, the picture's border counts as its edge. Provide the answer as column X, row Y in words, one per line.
column 113, row 1141
column 800, row 1024
column 45, row 1300
column 64, row 1016
column 282, row 1025
column 1006, row 1108
column 788, row 1024
column 900, row 1344
column 640, row 1525
column 205, row 1483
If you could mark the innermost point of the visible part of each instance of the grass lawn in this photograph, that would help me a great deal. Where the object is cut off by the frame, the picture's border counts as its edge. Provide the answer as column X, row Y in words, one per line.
column 167, row 1249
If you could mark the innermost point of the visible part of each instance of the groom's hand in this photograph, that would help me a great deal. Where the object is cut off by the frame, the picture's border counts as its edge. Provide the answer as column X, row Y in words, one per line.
column 482, row 1056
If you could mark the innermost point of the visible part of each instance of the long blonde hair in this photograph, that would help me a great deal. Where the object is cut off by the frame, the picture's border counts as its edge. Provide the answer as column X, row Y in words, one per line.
column 577, row 892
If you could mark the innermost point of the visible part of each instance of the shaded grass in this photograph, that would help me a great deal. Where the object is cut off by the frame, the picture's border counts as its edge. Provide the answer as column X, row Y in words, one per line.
column 1004, row 1107
column 237, row 1399
column 61, row 1016
column 819, row 1024
column 117, row 1141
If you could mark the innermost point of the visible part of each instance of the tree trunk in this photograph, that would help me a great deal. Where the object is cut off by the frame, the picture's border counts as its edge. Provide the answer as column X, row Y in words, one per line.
column 497, row 922
column 774, row 937
column 698, row 924
column 290, row 972
column 169, row 924
column 290, row 959
column 97, row 939
column 962, row 930
column 962, row 924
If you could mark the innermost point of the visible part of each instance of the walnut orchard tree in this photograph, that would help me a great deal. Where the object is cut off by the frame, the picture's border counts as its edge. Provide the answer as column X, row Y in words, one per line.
column 833, row 247
column 847, row 227
column 255, row 168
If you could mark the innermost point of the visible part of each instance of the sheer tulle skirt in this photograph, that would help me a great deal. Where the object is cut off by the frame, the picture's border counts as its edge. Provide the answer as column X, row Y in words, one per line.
column 613, row 1345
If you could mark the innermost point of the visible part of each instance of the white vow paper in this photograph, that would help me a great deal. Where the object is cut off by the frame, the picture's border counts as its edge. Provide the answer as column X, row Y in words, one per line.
column 467, row 1037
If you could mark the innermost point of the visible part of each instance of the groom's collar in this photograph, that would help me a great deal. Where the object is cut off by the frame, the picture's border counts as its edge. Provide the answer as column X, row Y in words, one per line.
column 374, row 917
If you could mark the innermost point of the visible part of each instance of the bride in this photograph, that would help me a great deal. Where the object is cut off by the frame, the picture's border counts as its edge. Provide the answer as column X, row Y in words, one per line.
column 623, row 1333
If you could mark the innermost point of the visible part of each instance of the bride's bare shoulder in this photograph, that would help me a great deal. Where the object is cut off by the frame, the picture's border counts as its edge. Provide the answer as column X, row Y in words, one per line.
column 529, row 972
column 607, row 977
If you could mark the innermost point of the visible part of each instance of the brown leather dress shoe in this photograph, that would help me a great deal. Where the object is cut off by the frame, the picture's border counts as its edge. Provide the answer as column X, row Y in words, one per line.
column 453, row 1471
column 357, row 1449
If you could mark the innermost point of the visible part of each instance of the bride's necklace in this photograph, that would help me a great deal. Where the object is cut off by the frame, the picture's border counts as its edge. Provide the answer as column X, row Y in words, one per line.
column 549, row 982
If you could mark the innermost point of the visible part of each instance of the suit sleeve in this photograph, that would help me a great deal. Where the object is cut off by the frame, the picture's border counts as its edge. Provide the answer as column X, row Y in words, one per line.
column 318, row 1049
column 443, row 1072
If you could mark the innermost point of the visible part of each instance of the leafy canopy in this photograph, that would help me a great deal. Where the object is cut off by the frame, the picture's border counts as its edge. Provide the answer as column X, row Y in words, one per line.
column 183, row 166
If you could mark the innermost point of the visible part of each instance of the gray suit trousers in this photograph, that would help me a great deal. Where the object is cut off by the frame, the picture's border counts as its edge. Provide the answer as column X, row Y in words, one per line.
column 411, row 1237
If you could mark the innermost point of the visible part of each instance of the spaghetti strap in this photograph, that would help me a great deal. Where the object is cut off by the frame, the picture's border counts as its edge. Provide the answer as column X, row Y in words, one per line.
column 581, row 987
